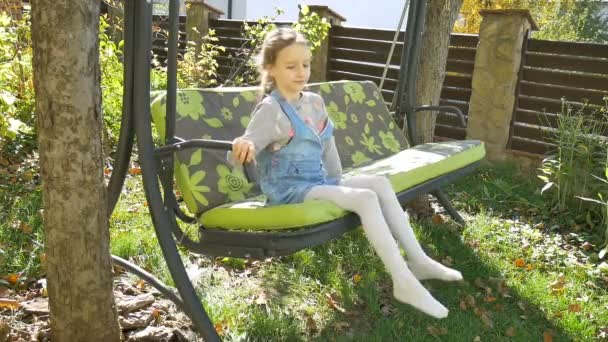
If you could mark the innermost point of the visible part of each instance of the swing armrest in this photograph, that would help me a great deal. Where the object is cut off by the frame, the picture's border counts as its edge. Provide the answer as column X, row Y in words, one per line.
column 444, row 109
column 178, row 144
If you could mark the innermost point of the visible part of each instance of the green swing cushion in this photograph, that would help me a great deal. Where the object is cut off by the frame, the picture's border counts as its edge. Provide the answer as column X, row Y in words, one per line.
column 404, row 169
column 367, row 138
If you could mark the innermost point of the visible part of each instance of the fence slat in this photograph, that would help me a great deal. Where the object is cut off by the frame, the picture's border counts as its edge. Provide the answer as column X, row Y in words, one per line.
column 364, row 45
column 567, row 79
column 460, row 81
column 448, row 119
column 446, row 131
column 462, row 105
column 568, row 48
column 530, row 146
column 536, row 118
column 454, row 93
column 366, row 56
column 567, row 63
column 541, row 104
column 462, row 53
column 466, row 40
column 557, row 92
column 337, row 75
column 366, row 33
column 362, row 68
column 460, row 66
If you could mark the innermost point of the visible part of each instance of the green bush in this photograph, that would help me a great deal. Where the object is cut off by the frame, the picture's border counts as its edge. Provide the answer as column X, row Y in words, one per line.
column 16, row 85
column 570, row 173
column 310, row 24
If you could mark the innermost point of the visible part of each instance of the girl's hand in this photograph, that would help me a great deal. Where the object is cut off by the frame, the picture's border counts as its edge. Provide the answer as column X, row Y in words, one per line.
column 243, row 150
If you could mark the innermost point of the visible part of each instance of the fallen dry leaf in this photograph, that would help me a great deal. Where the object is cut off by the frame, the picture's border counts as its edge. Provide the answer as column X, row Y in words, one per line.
column 463, row 305
column 387, row 310
column 12, row 278
column 548, row 336
column 9, row 304
column 487, row 322
column 499, row 307
column 448, row 261
column 521, row 305
column 557, row 287
column 587, row 246
column 261, row 299
column 135, row 171
column 26, row 228
column 437, row 219
column 510, row 332
column 433, row 330
column 341, row 326
column 574, row 307
column 529, row 267
column 490, row 299
column 520, row 262
column 4, row 291
column 219, row 328
column 311, row 325
column 470, row 300
column 477, row 339
column 334, row 304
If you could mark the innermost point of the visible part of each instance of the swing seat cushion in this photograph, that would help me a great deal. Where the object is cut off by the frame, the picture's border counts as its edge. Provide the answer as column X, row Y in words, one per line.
column 405, row 170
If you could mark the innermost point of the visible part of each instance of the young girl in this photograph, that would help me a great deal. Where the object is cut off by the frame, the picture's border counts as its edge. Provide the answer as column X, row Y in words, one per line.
column 291, row 139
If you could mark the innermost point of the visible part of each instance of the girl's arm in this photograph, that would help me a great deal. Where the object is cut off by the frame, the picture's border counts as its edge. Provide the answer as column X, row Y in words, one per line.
column 331, row 158
column 263, row 129
column 331, row 161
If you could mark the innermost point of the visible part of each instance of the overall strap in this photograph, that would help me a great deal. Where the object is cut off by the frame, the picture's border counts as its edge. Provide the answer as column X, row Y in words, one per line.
column 287, row 108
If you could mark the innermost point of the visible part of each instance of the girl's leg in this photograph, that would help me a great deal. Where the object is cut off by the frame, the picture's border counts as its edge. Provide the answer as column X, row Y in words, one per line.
column 419, row 263
column 363, row 202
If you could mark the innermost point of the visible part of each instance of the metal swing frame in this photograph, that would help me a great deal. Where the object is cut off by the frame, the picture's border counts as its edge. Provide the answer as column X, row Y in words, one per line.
column 157, row 163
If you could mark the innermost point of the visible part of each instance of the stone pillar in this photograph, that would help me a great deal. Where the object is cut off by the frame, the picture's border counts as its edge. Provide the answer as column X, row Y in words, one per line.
column 321, row 54
column 198, row 14
column 502, row 35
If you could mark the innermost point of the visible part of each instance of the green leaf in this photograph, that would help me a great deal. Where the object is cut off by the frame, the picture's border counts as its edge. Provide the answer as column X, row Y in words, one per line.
column 214, row 122
column 196, row 158
column 236, row 102
column 346, row 99
column 371, row 103
column 304, row 10
column 325, row 88
column 366, row 129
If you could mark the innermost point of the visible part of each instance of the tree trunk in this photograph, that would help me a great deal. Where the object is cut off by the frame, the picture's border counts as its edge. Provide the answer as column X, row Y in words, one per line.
column 440, row 18
column 68, row 107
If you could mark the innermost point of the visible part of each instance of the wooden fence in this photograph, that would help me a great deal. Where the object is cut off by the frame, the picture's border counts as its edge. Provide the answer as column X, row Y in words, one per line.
column 160, row 29
column 552, row 70
column 360, row 54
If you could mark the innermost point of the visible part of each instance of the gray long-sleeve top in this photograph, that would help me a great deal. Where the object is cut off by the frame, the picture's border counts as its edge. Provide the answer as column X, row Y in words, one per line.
column 271, row 128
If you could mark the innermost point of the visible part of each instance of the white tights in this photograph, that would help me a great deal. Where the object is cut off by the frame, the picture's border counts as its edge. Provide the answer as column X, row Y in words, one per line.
column 373, row 199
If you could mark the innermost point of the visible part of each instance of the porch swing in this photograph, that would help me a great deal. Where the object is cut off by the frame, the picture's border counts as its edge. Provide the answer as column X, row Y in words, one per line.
column 232, row 217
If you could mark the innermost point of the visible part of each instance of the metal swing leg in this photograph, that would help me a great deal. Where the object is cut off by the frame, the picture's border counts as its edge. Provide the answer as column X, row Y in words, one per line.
column 445, row 202
column 141, row 13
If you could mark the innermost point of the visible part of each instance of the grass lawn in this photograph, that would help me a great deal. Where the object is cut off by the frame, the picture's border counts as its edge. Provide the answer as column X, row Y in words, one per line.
column 528, row 275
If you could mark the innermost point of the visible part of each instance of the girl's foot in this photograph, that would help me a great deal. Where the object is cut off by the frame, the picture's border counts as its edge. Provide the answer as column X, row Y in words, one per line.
column 410, row 291
column 431, row 269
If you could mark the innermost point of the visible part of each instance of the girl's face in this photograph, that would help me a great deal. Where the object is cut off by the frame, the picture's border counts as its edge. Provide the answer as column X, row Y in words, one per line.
column 291, row 70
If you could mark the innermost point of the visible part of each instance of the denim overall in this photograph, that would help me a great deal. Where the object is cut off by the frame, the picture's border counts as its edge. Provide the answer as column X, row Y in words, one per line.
column 286, row 175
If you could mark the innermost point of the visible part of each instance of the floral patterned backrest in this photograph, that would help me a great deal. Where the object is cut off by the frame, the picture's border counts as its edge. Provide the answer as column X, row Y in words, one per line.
column 364, row 132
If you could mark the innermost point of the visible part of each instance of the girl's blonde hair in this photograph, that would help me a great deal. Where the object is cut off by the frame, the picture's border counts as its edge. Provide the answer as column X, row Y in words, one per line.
column 275, row 41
